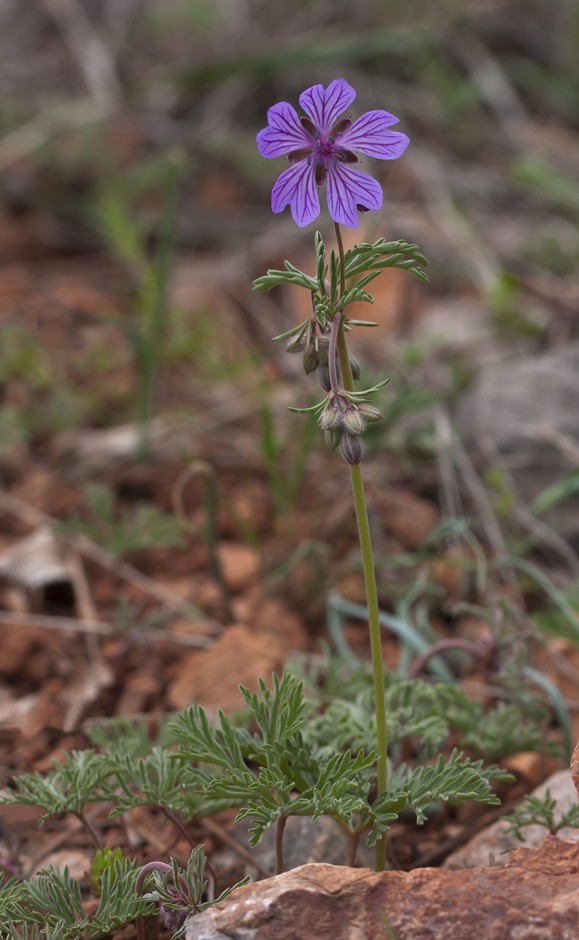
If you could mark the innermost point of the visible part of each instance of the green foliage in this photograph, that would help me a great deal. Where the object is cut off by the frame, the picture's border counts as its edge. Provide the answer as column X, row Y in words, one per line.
column 181, row 890
column 104, row 859
column 129, row 242
column 503, row 730
column 327, row 757
column 454, row 781
column 363, row 262
column 556, row 493
column 159, row 779
column 136, row 528
column 50, row 905
column 341, row 714
column 71, row 785
column 536, row 812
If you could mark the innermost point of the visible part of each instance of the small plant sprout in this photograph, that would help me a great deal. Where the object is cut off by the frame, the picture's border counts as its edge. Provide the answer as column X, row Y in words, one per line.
column 179, row 892
column 534, row 811
column 151, row 277
column 321, row 146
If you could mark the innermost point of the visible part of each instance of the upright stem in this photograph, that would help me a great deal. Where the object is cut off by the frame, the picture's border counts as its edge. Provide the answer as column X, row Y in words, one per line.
column 91, row 830
column 332, row 350
column 369, row 576
column 181, row 828
column 352, row 847
column 279, row 844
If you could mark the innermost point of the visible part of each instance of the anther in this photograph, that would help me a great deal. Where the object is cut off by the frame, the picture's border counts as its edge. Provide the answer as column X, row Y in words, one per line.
column 317, row 135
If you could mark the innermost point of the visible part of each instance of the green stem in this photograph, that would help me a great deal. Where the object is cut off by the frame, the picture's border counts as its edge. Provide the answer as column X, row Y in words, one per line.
column 369, row 577
column 155, row 302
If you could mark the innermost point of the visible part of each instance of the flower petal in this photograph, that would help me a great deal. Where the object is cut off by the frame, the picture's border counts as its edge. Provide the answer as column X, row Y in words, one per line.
column 297, row 188
column 348, row 188
column 370, row 135
column 324, row 105
column 284, row 133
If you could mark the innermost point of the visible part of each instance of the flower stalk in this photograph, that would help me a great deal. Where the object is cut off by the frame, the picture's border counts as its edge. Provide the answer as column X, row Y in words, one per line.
column 369, row 572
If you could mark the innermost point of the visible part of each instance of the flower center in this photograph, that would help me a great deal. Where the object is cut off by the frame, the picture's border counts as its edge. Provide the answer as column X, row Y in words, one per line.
column 326, row 152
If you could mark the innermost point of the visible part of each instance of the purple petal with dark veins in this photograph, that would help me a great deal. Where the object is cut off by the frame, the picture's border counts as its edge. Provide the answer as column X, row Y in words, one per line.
column 297, row 188
column 347, row 188
column 285, row 132
column 370, row 135
column 324, row 105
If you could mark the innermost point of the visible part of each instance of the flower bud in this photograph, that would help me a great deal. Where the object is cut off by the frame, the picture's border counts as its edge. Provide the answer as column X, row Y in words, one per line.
column 355, row 367
column 296, row 344
column 324, row 376
column 311, row 360
column 330, row 418
column 333, row 437
column 369, row 413
column 351, row 449
column 353, row 421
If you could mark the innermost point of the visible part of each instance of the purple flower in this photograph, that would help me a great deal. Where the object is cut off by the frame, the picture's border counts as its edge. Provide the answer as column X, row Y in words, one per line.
column 321, row 149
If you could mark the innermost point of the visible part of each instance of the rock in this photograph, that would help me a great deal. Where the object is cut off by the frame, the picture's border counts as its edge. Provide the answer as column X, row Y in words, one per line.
column 534, row 897
column 515, row 406
column 211, row 676
column 77, row 862
column 240, row 564
column 461, row 323
column 270, row 615
column 407, row 517
column 138, row 691
column 304, row 841
column 35, row 561
column 491, row 847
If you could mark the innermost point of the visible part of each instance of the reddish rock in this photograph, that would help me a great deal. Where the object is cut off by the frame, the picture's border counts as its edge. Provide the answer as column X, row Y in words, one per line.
column 211, row 676
column 534, row 897
column 407, row 517
column 270, row 615
column 240, row 564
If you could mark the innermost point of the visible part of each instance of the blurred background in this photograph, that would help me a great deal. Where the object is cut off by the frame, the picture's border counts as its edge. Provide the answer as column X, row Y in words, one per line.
column 152, row 480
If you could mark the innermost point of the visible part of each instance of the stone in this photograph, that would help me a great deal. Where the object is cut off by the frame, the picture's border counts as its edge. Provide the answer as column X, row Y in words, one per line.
column 534, row 897
column 516, row 407
column 492, row 845
column 457, row 323
column 211, row 676
column 240, row 564
column 77, row 862
column 271, row 615
column 407, row 517
column 305, row 840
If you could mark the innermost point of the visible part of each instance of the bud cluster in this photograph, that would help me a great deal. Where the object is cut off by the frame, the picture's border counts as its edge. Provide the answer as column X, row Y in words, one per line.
column 343, row 422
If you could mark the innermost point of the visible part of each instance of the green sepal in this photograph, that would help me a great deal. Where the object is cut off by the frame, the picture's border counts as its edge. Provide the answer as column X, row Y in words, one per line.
column 292, row 332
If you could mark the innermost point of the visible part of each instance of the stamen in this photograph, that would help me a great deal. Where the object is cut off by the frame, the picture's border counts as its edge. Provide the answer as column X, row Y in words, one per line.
column 317, row 135
column 309, row 159
column 332, row 140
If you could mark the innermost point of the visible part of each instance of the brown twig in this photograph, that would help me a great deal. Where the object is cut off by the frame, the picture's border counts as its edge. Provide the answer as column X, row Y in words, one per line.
column 221, row 832
column 481, row 652
column 100, row 628
column 203, row 469
column 181, row 828
column 90, row 829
